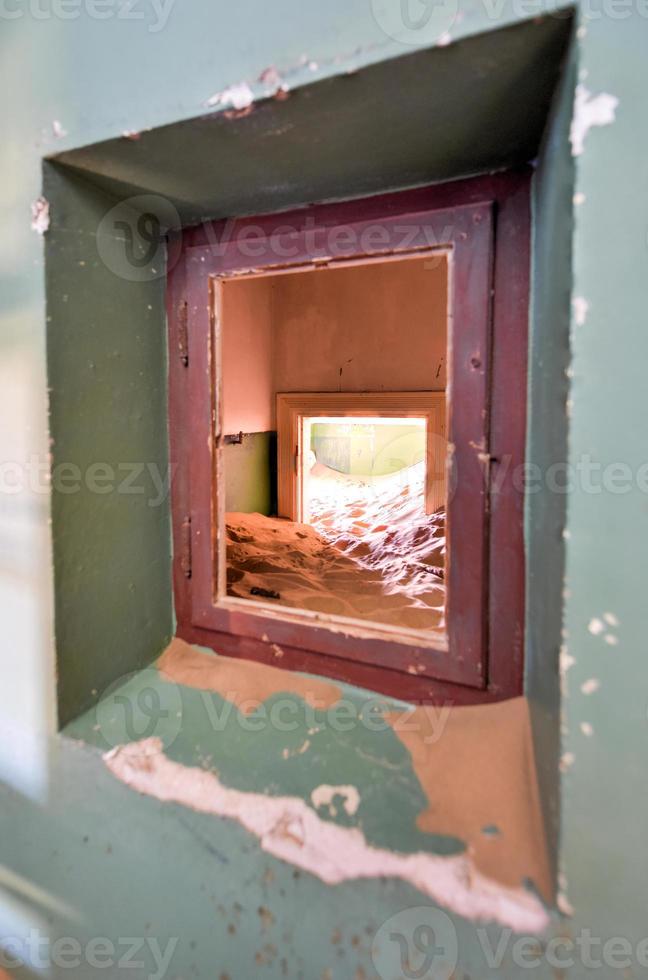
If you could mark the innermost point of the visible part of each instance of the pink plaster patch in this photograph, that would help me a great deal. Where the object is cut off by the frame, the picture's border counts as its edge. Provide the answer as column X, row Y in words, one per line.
column 40, row 215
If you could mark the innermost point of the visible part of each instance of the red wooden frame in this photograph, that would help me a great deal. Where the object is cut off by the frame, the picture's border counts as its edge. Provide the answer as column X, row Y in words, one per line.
column 485, row 225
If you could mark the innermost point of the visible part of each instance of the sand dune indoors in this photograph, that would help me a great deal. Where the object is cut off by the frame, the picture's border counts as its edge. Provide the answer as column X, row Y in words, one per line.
column 370, row 552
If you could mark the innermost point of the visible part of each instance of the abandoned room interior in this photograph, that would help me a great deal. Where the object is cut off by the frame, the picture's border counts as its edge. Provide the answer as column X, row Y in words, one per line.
column 318, row 649
column 361, row 541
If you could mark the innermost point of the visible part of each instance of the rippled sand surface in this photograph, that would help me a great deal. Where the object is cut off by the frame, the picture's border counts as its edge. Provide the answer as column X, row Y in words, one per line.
column 369, row 552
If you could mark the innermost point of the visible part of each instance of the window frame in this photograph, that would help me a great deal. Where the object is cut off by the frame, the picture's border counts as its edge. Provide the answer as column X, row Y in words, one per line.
column 485, row 224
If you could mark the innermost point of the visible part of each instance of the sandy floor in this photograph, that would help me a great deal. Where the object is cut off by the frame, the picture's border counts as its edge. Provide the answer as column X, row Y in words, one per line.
column 370, row 552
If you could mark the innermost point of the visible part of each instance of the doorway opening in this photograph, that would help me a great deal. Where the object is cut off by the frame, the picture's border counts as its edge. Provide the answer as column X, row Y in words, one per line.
column 358, row 528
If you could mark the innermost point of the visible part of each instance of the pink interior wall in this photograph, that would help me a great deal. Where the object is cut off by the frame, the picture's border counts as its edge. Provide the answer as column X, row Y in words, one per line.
column 378, row 327
column 246, row 351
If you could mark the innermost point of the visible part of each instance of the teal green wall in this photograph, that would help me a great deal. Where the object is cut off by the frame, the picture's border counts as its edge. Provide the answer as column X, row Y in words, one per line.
column 251, row 474
column 606, row 532
column 553, row 192
column 108, row 408
column 147, row 863
column 129, row 865
column 491, row 116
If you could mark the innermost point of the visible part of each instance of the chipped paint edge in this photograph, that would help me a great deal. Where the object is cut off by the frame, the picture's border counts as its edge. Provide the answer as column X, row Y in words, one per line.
column 324, row 796
column 290, row 830
column 40, row 215
column 590, row 110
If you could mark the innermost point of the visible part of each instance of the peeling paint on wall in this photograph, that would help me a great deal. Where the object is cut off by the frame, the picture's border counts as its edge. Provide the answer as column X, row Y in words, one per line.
column 566, row 661
column 604, row 628
column 274, row 84
column 590, row 110
column 40, row 215
column 481, row 772
column 239, row 96
column 241, row 682
column 581, row 309
column 567, row 761
column 290, row 830
column 565, row 905
column 475, row 765
column 591, row 686
column 325, row 796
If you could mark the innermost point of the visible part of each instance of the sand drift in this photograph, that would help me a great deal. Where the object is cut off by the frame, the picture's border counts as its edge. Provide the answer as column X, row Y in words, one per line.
column 369, row 552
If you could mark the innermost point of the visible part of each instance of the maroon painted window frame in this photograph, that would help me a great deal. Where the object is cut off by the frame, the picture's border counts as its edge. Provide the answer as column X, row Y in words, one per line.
column 485, row 223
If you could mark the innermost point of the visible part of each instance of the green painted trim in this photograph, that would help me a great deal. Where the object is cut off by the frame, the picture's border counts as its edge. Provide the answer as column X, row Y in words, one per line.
column 107, row 369
column 545, row 514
